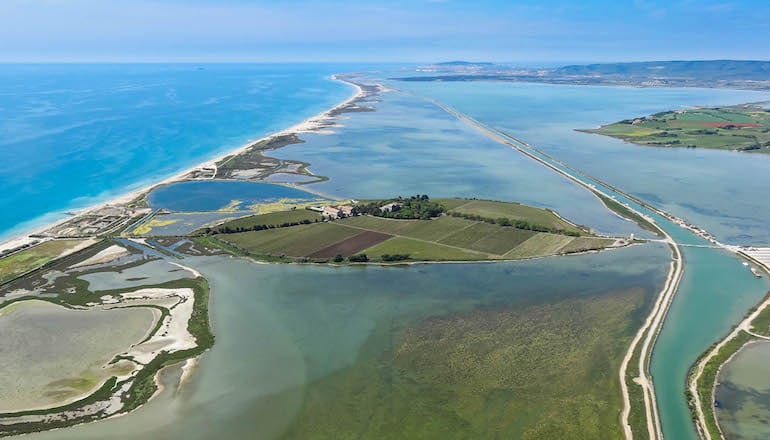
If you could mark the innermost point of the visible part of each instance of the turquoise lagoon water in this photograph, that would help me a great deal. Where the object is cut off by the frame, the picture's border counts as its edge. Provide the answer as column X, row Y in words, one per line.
column 410, row 146
column 716, row 289
column 714, row 189
column 278, row 331
column 212, row 195
column 73, row 135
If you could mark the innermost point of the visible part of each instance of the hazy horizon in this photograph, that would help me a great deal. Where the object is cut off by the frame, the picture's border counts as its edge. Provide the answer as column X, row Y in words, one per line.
column 422, row 31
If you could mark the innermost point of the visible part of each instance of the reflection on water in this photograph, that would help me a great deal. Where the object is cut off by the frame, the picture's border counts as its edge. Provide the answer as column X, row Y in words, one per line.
column 213, row 195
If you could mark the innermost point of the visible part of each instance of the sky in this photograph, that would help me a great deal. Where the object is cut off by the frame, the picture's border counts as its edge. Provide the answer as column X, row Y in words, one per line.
column 511, row 31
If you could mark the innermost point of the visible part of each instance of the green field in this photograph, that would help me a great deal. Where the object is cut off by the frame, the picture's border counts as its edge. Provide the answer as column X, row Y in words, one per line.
column 743, row 128
column 514, row 211
column 444, row 238
column 270, row 219
column 34, row 257
column 543, row 371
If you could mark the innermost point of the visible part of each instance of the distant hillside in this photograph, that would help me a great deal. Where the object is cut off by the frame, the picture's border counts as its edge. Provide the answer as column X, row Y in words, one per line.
column 463, row 63
column 734, row 74
column 702, row 70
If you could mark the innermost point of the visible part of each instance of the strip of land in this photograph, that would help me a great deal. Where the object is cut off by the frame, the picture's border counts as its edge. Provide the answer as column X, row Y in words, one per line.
column 461, row 230
column 741, row 128
column 118, row 214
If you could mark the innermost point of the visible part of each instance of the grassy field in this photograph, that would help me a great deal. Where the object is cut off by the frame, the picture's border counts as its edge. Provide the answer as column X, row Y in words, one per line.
column 513, row 211
column 531, row 371
column 273, row 218
column 444, row 238
column 709, row 377
column 743, row 128
column 761, row 324
column 34, row 257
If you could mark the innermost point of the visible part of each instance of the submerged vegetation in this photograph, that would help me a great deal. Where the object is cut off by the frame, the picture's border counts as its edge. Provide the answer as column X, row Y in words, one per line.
column 709, row 376
column 69, row 290
column 544, row 370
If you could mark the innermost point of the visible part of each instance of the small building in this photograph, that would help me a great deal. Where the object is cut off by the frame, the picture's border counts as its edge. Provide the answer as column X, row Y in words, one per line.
column 390, row 207
column 330, row 212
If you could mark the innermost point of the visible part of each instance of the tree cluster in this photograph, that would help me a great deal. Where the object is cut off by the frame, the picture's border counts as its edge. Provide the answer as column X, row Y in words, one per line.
column 226, row 229
column 518, row 224
column 394, row 257
column 415, row 207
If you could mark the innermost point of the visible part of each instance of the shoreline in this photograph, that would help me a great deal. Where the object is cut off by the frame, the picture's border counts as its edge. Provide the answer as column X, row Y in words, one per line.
column 308, row 125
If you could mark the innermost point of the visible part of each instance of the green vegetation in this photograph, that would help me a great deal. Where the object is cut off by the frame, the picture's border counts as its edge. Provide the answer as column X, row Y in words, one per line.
column 33, row 258
column 708, row 378
column 143, row 385
column 637, row 418
column 520, row 371
column 518, row 215
column 624, row 211
column 414, row 207
column 462, row 235
column 271, row 220
column 743, row 128
column 420, row 250
column 761, row 324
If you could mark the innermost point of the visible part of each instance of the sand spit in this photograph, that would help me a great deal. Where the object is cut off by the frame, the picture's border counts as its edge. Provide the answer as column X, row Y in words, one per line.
column 313, row 124
column 112, row 253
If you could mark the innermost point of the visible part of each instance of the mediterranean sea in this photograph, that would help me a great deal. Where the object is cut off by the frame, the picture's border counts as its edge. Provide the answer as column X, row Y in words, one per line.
column 72, row 135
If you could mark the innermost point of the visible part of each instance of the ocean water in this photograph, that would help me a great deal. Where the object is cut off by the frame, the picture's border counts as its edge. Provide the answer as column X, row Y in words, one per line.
column 714, row 189
column 74, row 135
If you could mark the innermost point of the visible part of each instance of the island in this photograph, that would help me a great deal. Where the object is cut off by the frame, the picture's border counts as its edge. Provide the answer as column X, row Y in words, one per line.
column 744, row 127
column 405, row 229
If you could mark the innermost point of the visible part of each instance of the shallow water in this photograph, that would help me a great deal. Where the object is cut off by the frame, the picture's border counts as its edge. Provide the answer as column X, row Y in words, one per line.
column 51, row 353
column 151, row 273
column 410, row 146
column 288, row 331
column 744, row 394
column 213, row 195
column 707, row 187
column 714, row 189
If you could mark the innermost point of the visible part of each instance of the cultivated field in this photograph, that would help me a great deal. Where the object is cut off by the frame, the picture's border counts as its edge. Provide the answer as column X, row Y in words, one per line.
column 513, row 211
column 444, row 238
column 273, row 218
column 32, row 258
column 743, row 128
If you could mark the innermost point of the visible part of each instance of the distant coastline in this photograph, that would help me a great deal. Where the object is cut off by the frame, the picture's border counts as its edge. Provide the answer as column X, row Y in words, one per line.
column 309, row 125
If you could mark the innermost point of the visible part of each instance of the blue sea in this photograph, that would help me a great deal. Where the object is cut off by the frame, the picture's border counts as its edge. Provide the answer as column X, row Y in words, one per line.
column 73, row 135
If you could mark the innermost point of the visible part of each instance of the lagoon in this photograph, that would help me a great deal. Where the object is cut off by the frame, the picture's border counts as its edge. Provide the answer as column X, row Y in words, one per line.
column 287, row 347
column 221, row 195
column 713, row 189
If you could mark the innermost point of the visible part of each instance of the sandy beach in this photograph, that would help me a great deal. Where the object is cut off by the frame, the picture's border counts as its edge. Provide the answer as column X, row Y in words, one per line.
column 312, row 124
